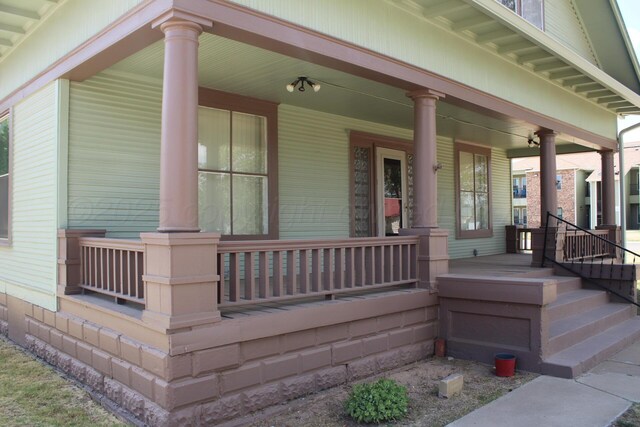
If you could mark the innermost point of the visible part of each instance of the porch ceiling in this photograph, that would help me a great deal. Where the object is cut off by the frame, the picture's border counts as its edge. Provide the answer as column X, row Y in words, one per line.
column 500, row 31
column 18, row 18
column 247, row 70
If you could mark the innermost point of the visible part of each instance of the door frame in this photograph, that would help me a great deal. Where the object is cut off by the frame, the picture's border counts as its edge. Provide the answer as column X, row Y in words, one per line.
column 373, row 142
column 381, row 154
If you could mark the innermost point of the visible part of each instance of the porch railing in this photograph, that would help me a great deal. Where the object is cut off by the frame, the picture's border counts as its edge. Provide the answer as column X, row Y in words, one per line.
column 579, row 244
column 262, row 271
column 112, row 267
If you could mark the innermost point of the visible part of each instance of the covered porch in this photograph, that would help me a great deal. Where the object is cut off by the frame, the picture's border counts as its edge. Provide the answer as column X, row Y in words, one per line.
column 278, row 242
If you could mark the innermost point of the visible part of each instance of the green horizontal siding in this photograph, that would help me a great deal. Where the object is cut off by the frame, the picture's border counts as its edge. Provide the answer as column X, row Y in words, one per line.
column 114, row 154
column 73, row 23
column 562, row 22
column 28, row 268
column 314, row 180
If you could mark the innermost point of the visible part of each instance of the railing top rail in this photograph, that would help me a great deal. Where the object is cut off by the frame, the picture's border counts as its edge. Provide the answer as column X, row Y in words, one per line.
column 549, row 214
column 266, row 245
column 110, row 243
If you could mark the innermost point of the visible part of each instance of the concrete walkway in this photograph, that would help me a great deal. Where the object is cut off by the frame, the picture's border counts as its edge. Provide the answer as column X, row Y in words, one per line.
column 595, row 399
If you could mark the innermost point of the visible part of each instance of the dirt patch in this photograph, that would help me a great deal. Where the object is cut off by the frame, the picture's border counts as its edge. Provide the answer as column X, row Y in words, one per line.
column 481, row 386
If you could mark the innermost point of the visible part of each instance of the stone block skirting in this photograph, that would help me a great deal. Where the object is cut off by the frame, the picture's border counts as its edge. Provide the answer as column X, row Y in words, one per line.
column 218, row 383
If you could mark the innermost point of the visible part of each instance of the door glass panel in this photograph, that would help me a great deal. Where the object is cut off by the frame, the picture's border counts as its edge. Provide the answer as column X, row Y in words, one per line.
column 392, row 182
column 362, row 191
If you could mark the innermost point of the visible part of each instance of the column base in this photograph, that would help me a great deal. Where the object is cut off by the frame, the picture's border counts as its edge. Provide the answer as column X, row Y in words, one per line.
column 433, row 255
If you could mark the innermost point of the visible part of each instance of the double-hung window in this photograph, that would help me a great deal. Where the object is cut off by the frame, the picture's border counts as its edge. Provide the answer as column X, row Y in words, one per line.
column 473, row 182
column 236, row 169
column 4, row 177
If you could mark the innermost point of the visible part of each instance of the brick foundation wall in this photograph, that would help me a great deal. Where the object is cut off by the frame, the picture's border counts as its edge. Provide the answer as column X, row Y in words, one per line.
column 219, row 383
column 566, row 197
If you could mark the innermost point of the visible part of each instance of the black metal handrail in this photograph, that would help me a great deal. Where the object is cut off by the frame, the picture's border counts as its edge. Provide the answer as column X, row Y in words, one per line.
column 580, row 274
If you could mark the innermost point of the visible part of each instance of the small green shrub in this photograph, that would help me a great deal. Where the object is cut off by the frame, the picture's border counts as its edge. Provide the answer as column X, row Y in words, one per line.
column 383, row 400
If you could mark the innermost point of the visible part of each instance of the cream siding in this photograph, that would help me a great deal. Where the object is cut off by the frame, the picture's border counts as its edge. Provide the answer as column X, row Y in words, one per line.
column 114, row 154
column 563, row 23
column 411, row 39
column 73, row 23
column 28, row 268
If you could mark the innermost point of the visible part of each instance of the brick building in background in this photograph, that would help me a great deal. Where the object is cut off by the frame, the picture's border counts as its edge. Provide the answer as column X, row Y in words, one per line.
column 578, row 186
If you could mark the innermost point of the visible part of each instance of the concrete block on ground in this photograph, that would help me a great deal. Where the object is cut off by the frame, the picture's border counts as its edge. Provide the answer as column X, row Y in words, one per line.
column 450, row 386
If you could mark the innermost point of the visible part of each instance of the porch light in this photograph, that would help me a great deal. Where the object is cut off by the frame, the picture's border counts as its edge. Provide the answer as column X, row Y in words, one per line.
column 301, row 81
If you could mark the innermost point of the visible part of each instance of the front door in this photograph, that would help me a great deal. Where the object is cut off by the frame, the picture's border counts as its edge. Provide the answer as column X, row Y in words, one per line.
column 391, row 195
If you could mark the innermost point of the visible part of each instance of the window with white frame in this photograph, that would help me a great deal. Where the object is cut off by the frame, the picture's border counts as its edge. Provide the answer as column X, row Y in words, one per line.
column 531, row 10
column 473, row 173
column 235, row 170
column 4, row 177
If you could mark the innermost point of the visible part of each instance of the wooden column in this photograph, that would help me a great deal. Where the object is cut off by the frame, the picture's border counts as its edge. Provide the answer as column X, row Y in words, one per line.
column 433, row 250
column 179, row 141
column 608, row 188
column 548, row 191
column 425, row 182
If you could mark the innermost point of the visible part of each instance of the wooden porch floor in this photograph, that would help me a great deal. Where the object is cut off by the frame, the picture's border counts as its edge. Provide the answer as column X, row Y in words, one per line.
column 493, row 265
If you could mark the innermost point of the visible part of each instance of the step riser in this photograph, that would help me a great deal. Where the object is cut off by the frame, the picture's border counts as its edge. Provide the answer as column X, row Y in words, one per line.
column 568, row 285
column 537, row 273
column 575, row 336
column 578, row 306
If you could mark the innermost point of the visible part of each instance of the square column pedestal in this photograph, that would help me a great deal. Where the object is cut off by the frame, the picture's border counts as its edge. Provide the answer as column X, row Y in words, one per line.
column 181, row 280
column 433, row 255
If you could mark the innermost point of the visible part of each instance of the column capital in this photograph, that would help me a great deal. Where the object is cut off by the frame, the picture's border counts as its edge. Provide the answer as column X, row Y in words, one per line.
column 425, row 93
column 606, row 152
column 179, row 18
column 547, row 133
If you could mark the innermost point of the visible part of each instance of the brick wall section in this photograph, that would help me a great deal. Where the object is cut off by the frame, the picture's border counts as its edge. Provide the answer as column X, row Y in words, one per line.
column 566, row 197
column 212, row 385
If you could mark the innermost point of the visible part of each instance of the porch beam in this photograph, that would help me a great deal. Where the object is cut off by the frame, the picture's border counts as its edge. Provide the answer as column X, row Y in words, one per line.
column 608, row 188
column 179, row 138
column 548, row 192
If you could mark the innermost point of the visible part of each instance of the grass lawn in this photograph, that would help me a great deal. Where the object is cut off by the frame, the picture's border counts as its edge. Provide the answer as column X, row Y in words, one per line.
column 32, row 394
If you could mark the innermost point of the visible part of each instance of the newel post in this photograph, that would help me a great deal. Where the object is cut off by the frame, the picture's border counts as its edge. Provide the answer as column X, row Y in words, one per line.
column 69, row 263
column 433, row 249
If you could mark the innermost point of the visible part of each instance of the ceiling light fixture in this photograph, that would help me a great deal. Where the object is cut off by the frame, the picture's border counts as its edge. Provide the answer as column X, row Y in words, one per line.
column 301, row 81
column 532, row 142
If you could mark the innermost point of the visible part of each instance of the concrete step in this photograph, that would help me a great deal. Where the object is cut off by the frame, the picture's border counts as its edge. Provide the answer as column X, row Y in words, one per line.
column 568, row 331
column 575, row 302
column 567, row 283
column 536, row 273
column 579, row 358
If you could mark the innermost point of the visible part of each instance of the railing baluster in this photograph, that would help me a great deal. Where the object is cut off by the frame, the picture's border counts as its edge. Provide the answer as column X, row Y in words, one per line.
column 370, row 262
column 315, row 270
column 234, row 277
column 263, row 274
column 327, row 266
column 359, row 267
column 304, row 271
column 388, row 262
column 249, row 276
column 339, row 268
column 397, row 262
column 277, row 273
column 291, row 273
